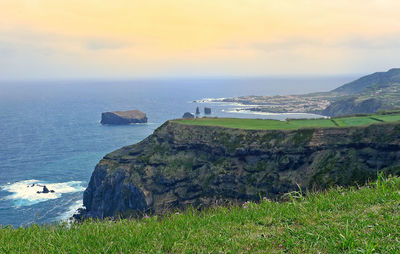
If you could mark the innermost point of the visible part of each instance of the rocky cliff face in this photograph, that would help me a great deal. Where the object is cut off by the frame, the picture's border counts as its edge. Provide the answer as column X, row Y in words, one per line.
column 352, row 105
column 181, row 165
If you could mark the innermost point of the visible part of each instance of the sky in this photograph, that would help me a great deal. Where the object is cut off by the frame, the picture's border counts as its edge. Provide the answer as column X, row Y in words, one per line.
column 55, row 39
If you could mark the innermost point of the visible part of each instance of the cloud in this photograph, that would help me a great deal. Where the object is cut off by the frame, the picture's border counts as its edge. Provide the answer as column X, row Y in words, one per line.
column 6, row 50
column 20, row 41
column 287, row 44
column 15, row 49
column 39, row 39
column 352, row 42
column 381, row 42
column 105, row 44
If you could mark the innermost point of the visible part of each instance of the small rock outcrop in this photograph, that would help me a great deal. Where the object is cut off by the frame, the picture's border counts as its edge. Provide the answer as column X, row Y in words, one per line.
column 123, row 117
column 197, row 111
column 207, row 111
column 188, row 115
column 45, row 190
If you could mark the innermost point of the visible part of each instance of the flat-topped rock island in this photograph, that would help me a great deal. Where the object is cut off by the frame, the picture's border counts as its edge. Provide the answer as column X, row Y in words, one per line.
column 123, row 117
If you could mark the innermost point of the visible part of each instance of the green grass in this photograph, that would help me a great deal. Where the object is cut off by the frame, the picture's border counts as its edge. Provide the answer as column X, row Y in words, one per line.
column 354, row 121
column 300, row 123
column 239, row 123
column 356, row 220
column 387, row 118
column 290, row 124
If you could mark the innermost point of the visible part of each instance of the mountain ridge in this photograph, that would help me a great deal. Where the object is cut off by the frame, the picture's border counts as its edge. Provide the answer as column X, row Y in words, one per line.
column 368, row 94
column 378, row 79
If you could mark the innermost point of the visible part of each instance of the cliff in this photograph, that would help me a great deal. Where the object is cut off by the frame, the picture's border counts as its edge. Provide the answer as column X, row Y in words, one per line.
column 353, row 105
column 181, row 165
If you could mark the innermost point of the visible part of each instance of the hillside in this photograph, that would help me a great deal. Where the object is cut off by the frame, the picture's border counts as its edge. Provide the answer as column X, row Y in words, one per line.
column 183, row 165
column 369, row 94
column 372, row 82
column 356, row 220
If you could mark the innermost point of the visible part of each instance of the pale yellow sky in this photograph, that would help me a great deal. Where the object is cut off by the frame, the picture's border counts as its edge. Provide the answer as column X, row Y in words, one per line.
column 148, row 38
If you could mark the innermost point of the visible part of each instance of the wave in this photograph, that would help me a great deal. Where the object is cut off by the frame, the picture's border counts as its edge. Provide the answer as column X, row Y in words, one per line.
column 209, row 100
column 25, row 193
column 221, row 102
column 72, row 209
column 239, row 111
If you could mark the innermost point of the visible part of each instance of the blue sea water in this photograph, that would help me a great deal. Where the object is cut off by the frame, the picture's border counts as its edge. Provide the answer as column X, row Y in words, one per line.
column 50, row 132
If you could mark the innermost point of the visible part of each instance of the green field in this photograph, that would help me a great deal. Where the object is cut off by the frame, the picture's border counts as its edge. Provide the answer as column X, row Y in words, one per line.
column 291, row 124
column 356, row 220
column 387, row 118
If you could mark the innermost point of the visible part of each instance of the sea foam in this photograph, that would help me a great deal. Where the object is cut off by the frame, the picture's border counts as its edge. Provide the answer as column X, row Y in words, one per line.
column 25, row 193
column 73, row 209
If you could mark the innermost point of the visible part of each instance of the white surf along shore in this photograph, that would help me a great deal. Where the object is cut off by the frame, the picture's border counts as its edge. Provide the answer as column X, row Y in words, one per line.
column 25, row 193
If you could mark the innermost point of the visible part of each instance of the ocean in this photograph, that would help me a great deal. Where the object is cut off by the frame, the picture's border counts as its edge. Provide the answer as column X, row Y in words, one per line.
column 50, row 131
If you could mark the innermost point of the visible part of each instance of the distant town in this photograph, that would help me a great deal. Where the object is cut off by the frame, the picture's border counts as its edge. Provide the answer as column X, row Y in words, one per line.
column 282, row 104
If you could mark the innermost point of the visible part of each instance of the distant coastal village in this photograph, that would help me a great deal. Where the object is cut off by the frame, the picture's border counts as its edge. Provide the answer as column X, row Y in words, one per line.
column 280, row 104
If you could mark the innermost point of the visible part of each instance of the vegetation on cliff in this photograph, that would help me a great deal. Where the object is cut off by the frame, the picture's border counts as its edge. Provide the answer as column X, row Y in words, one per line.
column 182, row 165
column 356, row 220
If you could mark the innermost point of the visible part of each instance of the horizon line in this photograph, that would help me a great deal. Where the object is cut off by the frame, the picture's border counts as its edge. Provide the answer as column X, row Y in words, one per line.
column 200, row 77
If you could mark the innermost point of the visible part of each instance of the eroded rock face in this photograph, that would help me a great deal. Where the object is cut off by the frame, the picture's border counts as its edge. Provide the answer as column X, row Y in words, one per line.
column 350, row 106
column 181, row 165
column 110, row 193
column 123, row 117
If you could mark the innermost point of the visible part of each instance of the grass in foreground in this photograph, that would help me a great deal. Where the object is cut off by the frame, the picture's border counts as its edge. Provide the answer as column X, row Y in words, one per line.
column 355, row 220
column 291, row 124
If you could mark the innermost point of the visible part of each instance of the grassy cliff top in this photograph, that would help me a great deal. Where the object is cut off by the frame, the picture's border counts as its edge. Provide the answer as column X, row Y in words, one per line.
column 292, row 124
column 357, row 220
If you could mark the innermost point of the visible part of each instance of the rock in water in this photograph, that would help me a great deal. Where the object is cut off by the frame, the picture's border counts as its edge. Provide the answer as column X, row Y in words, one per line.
column 123, row 117
column 45, row 190
column 207, row 111
column 197, row 111
column 188, row 115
